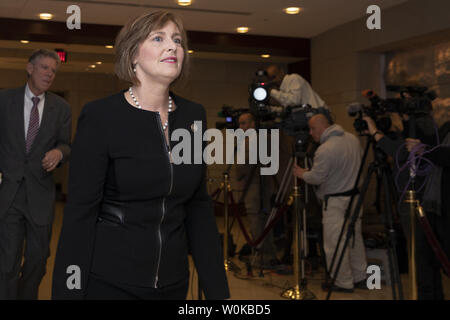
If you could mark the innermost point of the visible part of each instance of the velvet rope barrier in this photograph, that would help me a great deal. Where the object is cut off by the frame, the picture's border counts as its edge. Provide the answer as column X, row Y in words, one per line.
column 237, row 214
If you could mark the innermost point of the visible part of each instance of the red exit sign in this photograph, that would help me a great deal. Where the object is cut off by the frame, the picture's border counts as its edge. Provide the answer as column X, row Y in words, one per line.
column 62, row 55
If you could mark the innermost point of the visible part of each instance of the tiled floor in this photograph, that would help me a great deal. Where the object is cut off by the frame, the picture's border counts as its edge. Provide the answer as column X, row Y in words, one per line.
column 266, row 286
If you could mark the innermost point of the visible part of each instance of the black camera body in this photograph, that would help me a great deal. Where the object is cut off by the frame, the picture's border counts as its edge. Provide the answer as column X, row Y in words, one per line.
column 295, row 119
column 413, row 101
column 357, row 110
column 295, row 123
column 231, row 117
column 259, row 96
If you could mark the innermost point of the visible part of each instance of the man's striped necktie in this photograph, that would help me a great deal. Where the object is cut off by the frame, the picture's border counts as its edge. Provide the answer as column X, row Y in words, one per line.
column 33, row 126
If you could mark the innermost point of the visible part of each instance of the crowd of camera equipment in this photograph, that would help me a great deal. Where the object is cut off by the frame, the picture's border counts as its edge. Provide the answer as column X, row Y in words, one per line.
column 293, row 120
column 414, row 102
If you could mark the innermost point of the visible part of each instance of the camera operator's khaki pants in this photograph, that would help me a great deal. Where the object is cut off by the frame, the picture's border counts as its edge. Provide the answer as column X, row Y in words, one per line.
column 257, row 221
column 354, row 262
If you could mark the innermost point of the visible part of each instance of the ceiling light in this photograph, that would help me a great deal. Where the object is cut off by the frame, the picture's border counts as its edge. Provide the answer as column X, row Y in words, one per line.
column 292, row 10
column 45, row 16
column 184, row 2
column 92, row 66
column 24, row 41
column 242, row 29
column 109, row 47
column 98, row 62
column 265, row 56
column 190, row 51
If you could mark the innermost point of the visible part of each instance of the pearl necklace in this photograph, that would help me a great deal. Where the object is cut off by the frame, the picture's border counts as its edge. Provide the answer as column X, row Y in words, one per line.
column 136, row 102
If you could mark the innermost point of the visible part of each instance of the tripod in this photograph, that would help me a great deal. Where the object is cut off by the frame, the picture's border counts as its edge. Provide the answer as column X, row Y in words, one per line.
column 300, row 289
column 380, row 167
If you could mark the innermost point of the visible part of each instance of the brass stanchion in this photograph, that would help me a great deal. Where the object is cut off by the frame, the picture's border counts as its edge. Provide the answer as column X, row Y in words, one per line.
column 294, row 292
column 299, row 291
column 412, row 201
column 225, row 231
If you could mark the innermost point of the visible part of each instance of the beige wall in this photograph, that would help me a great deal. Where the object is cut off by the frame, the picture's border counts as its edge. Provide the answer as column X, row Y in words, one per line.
column 350, row 58
column 425, row 66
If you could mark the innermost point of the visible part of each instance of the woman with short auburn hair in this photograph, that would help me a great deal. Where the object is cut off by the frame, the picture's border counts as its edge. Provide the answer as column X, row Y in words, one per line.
column 133, row 214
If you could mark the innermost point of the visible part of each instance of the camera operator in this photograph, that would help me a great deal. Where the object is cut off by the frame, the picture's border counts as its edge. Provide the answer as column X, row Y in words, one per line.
column 257, row 199
column 335, row 169
column 435, row 204
column 293, row 89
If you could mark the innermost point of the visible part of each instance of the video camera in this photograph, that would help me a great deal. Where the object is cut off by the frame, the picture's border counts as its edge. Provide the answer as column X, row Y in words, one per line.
column 259, row 97
column 293, row 119
column 295, row 123
column 231, row 117
column 414, row 101
column 259, row 89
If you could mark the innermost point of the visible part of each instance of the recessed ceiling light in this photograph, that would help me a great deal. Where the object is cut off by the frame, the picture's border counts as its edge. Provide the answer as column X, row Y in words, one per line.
column 190, row 51
column 109, row 47
column 45, row 16
column 184, row 2
column 242, row 29
column 292, row 10
column 265, row 56
column 24, row 41
column 98, row 62
column 92, row 66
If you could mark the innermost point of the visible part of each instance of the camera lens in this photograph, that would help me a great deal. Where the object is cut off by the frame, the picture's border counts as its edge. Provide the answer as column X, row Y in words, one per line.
column 260, row 94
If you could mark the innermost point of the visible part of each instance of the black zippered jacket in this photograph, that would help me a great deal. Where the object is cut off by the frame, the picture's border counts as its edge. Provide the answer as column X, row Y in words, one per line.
column 132, row 216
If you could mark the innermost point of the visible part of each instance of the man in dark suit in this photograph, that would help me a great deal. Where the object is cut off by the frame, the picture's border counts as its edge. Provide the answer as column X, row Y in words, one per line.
column 35, row 133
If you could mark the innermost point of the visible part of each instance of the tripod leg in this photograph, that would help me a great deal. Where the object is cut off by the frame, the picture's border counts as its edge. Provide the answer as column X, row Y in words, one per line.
column 280, row 195
column 389, row 231
column 392, row 236
column 378, row 194
column 351, row 227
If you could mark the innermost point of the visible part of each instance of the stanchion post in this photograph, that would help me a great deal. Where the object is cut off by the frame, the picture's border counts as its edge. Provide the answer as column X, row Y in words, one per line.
column 225, row 231
column 411, row 200
column 294, row 292
column 296, row 264
column 299, row 291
